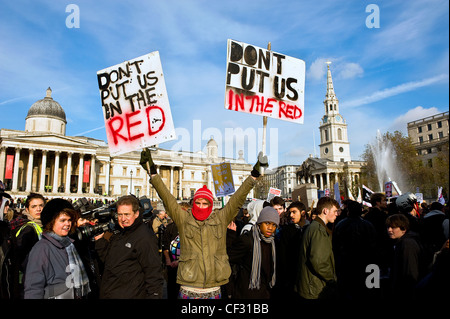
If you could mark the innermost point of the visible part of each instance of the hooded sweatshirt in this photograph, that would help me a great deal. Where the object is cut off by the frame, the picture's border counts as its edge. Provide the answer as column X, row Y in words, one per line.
column 254, row 208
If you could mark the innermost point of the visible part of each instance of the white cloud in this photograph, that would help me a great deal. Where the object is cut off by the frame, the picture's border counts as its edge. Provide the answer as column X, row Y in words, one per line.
column 419, row 112
column 339, row 70
column 350, row 70
column 318, row 69
column 399, row 89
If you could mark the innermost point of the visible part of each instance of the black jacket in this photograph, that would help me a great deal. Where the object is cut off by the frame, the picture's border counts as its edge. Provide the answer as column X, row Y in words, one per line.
column 241, row 258
column 132, row 264
column 408, row 264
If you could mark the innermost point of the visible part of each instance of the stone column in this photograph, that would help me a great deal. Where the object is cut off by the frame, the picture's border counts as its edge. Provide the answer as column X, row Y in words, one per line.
column 92, row 178
column 2, row 162
column 180, row 180
column 80, row 174
column 68, row 172
column 107, row 176
column 43, row 169
column 29, row 181
column 16, row 170
column 171, row 180
column 56, row 172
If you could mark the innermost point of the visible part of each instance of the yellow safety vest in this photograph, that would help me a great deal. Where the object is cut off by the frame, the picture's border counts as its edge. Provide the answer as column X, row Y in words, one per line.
column 37, row 228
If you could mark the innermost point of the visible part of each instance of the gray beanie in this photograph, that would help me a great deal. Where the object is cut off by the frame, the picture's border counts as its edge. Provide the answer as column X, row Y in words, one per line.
column 268, row 214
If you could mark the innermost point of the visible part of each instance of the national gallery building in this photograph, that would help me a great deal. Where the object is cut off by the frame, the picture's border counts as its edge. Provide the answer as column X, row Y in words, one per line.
column 43, row 159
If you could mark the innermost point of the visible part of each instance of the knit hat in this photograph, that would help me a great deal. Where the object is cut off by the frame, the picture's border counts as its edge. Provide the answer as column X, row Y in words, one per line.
column 52, row 209
column 205, row 193
column 268, row 214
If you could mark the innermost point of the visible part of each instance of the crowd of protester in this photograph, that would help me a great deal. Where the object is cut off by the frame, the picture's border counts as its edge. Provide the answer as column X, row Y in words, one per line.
column 260, row 249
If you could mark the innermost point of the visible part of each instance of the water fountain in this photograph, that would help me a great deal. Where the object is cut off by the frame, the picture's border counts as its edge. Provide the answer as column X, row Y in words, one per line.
column 385, row 160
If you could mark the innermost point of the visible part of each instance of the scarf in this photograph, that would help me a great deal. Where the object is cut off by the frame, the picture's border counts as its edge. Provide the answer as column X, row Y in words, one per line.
column 201, row 213
column 31, row 218
column 256, row 263
column 78, row 279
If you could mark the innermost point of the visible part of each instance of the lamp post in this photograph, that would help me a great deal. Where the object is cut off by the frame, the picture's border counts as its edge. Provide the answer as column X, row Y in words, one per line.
column 131, row 182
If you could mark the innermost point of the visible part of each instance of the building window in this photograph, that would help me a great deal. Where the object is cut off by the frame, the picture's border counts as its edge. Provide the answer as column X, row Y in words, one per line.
column 429, row 151
column 339, row 134
column 192, row 175
column 430, row 127
column 420, row 139
column 419, row 129
column 341, row 149
column 430, row 137
column 439, row 124
column 441, row 134
column 326, row 135
column 124, row 171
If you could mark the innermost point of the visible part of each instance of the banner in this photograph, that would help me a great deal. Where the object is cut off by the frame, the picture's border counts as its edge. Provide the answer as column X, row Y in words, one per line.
column 86, row 171
column 9, row 166
column 366, row 193
column 223, row 179
column 264, row 82
column 135, row 105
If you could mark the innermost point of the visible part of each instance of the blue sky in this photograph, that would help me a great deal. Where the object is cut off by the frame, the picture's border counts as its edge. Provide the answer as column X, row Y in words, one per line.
column 383, row 77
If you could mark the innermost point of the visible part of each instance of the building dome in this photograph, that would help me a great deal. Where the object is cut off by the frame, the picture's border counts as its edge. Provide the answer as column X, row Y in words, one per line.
column 46, row 116
column 47, row 107
column 211, row 142
column 212, row 149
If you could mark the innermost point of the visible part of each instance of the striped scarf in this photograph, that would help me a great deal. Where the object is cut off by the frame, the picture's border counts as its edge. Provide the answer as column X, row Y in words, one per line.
column 78, row 278
column 256, row 263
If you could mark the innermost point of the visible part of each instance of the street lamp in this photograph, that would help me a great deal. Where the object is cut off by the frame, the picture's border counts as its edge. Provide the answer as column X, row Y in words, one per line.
column 131, row 182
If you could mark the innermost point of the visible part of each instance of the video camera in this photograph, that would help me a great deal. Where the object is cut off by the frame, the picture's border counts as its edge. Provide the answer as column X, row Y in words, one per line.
column 106, row 216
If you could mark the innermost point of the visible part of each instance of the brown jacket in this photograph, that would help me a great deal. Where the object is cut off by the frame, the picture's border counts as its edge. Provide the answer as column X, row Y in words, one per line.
column 203, row 262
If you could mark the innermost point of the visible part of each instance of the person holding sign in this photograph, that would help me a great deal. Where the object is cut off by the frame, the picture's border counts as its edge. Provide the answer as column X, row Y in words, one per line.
column 203, row 263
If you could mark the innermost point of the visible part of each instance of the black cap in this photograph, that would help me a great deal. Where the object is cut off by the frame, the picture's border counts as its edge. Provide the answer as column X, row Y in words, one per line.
column 53, row 208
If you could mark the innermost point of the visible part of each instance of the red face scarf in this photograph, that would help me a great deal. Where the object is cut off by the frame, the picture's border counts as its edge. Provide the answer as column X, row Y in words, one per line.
column 201, row 213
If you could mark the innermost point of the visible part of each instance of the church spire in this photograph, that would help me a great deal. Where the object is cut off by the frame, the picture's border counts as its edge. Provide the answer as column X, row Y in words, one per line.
column 330, row 89
column 331, row 102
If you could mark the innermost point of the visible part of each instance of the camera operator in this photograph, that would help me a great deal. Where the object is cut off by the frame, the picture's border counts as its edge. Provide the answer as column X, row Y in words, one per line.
column 132, row 267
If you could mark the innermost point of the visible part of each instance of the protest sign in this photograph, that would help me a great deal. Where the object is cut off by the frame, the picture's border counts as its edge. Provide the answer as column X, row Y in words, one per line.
column 264, row 82
column 367, row 193
column 388, row 189
column 223, row 179
column 272, row 193
column 135, row 104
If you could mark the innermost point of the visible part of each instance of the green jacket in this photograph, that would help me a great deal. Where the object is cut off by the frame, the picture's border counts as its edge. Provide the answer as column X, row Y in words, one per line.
column 317, row 275
column 203, row 262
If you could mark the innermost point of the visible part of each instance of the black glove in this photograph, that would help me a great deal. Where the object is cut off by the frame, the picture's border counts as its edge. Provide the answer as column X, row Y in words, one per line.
column 147, row 162
column 262, row 162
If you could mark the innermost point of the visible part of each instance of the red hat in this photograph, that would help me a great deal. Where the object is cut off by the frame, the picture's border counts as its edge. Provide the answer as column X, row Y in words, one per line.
column 205, row 193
